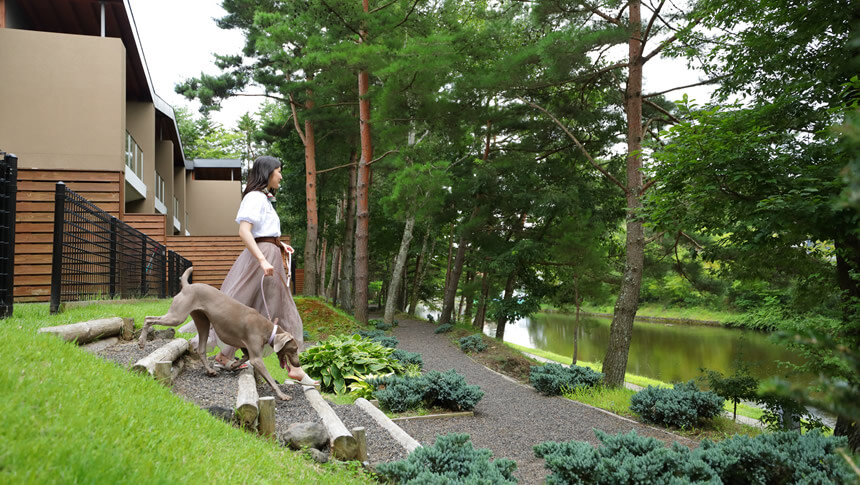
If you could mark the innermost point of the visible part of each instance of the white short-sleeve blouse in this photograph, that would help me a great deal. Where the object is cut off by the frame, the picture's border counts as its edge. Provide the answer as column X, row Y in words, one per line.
column 256, row 209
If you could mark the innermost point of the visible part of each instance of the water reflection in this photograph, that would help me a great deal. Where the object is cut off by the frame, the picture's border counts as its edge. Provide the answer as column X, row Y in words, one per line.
column 669, row 353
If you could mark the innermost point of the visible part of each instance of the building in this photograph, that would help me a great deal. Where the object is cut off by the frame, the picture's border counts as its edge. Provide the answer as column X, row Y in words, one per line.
column 77, row 104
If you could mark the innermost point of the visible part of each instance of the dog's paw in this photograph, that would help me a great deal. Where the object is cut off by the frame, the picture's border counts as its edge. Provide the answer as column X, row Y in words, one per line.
column 284, row 397
column 211, row 373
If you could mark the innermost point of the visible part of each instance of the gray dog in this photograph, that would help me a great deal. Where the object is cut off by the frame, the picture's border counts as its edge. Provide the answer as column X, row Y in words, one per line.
column 236, row 324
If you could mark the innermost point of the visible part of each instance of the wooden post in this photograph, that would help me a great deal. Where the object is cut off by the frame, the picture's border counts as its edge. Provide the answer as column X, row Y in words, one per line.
column 127, row 328
column 163, row 372
column 267, row 416
column 360, row 436
column 343, row 446
column 381, row 419
column 85, row 332
column 247, row 397
column 169, row 351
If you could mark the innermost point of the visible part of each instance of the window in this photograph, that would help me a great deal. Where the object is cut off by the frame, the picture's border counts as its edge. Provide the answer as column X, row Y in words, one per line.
column 133, row 156
column 159, row 187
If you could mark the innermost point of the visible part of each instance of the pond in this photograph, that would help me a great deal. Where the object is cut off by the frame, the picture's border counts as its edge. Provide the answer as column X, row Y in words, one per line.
column 667, row 352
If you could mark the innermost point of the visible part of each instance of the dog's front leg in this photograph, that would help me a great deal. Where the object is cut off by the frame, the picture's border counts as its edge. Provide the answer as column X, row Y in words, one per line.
column 202, row 324
column 260, row 367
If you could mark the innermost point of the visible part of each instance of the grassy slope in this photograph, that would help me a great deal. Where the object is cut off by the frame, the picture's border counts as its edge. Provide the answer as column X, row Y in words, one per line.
column 68, row 416
column 655, row 310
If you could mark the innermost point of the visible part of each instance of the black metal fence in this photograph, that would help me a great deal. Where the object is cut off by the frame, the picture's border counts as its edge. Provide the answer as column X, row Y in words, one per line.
column 8, row 197
column 98, row 256
column 176, row 265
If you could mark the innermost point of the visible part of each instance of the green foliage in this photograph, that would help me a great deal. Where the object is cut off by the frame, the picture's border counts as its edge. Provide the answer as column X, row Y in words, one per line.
column 473, row 343
column 337, row 360
column 682, row 406
column 407, row 358
column 450, row 460
column 786, row 457
column 379, row 336
column 555, row 379
column 738, row 387
column 434, row 389
column 782, row 413
column 362, row 386
column 381, row 325
column 444, row 328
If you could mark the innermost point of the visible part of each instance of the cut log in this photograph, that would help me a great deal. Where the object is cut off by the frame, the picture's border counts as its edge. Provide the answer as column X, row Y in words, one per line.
column 360, row 436
column 267, row 416
column 246, row 398
column 99, row 345
column 164, row 372
column 85, row 332
column 381, row 419
column 169, row 351
column 343, row 445
column 127, row 328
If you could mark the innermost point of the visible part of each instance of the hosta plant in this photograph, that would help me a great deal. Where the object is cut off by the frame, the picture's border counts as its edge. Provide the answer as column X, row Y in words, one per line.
column 338, row 360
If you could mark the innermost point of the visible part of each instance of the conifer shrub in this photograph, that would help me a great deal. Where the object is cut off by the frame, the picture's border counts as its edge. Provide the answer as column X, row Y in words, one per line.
column 386, row 341
column 380, row 325
column 553, row 379
column 407, row 358
column 371, row 334
column 473, row 343
column 682, row 406
column 450, row 460
column 443, row 328
column 784, row 457
column 435, row 389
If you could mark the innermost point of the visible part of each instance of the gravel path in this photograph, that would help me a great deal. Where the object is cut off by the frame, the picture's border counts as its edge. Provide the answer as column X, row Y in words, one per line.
column 511, row 418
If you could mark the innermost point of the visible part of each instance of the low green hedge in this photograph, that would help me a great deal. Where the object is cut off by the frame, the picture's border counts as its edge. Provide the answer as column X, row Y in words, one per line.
column 554, row 379
column 434, row 389
column 450, row 460
column 773, row 458
column 473, row 343
column 682, row 406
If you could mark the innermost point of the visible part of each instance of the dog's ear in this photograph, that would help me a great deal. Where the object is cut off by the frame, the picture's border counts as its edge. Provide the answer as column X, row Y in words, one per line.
column 281, row 339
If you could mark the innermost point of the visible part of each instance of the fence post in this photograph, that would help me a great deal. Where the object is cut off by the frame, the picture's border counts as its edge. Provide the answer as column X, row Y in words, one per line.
column 10, row 192
column 162, row 262
column 171, row 273
column 112, row 256
column 143, row 288
column 57, row 259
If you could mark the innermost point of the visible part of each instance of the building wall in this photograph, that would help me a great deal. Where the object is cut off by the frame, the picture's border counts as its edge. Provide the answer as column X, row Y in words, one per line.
column 164, row 167
column 212, row 206
column 62, row 99
column 140, row 122
column 179, row 193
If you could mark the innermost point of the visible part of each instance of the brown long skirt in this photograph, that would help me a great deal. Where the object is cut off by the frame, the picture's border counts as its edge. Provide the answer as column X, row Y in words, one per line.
column 243, row 283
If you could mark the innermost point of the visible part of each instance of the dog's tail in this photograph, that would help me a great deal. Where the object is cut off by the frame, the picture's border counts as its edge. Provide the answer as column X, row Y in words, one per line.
column 185, row 277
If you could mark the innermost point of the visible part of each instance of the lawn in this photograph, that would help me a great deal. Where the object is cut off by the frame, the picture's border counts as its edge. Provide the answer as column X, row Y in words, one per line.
column 71, row 417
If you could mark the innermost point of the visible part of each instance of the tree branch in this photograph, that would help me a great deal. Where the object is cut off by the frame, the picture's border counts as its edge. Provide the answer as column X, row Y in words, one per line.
column 579, row 78
column 407, row 15
column 296, row 121
column 651, row 22
column 662, row 110
column 335, row 168
column 389, row 152
column 647, row 186
column 668, row 41
column 595, row 11
column 701, row 83
column 392, row 2
column 341, row 19
column 584, row 151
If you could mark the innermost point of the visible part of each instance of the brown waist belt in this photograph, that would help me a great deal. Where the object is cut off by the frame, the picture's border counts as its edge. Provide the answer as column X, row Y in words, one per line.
column 277, row 242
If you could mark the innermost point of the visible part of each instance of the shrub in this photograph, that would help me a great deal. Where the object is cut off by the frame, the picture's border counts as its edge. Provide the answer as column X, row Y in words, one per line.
column 443, row 328
column 306, row 336
column 371, row 334
column 434, row 389
column 386, row 341
column 473, row 343
column 430, row 318
column 450, row 391
column 380, row 325
column 735, row 388
column 450, row 460
column 785, row 457
column 682, row 406
column 337, row 359
column 553, row 379
column 407, row 358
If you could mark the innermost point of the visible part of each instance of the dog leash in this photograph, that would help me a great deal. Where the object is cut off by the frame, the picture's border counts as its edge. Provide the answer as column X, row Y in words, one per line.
column 263, row 293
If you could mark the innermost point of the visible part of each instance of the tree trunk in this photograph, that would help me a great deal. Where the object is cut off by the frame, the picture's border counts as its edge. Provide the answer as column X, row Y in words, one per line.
column 453, row 281
column 450, row 256
column 850, row 429
column 509, row 291
column 331, row 292
column 310, row 284
column 347, row 272
column 420, row 268
column 575, row 322
column 467, row 314
column 621, row 330
column 404, row 288
column 397, row 274
column 322, row 265
column 362, row 226
column 482, row 302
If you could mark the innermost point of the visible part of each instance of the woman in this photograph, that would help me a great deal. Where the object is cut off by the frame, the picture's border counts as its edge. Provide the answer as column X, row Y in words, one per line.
column 258, row 278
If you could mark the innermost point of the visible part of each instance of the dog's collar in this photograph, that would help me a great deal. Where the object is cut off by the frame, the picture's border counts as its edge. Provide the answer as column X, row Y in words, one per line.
column 274, row 331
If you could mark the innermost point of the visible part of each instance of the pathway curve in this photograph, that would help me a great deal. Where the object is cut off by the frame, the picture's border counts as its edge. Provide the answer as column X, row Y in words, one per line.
column 512, row 417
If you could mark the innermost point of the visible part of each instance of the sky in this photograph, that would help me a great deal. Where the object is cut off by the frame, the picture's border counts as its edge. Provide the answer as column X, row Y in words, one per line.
column 178, row 38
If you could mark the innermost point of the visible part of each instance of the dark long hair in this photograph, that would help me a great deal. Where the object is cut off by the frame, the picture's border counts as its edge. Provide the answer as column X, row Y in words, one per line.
column 258, row 179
